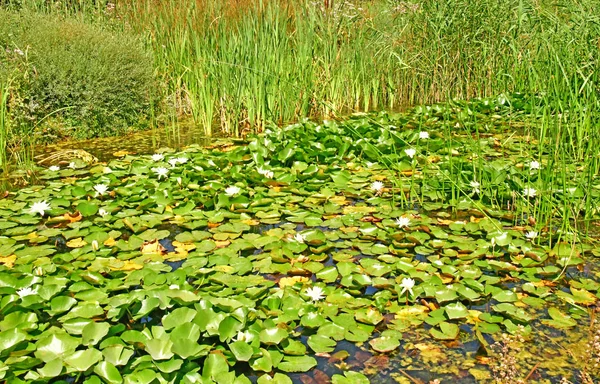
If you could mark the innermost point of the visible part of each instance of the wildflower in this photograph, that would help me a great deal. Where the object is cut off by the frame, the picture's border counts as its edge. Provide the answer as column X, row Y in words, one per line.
column 38, row 271
column 161, row 171
column 179, row 180
column 531, row 235
column 299, row 237
column 173, row 162
column 407, row 285
column 157, row 157
column 40, row 207
column 100, row 189
column 529, row 192
column 102, row 212
column 475, row 185
column 423, row 135
column 410, row 152
column 534, row 164
column 402, row 222
column 232, row 190
column 315, row 293
column 18, row 52
column 95, row 245
column 72, row 165
column 54, row 168
column 377, row 186
column 26, row 292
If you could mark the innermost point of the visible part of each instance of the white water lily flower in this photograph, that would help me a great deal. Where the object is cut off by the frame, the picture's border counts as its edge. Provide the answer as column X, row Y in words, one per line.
column 377, row 186
column 40, row 207
column 407, row 285
column 181, row 160
column 100, row 189
column 299, row 237
column 179, row 180
column 157, row 157
column 531, row 235
column 72, row 165
column 26, row 292
column 410, row 152
column 107, row 170
column 102, row 212
column 161, row 172
column 475, row 185
column 173, row 162
column 529, row 192
column 246, row 336
column 315, row 293
column 95, row 245
column 266, row 173
column 38, row 271
column 54, row 168
column 232, row 190
column 534, row 164
column 212, row 163
column 423, row 135
column 402, row 222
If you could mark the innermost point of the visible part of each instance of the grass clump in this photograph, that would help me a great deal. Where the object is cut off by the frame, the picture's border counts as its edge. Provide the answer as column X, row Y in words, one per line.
column 72, row 79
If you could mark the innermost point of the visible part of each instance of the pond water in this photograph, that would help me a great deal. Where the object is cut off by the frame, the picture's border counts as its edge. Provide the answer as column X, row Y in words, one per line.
column 349, row 252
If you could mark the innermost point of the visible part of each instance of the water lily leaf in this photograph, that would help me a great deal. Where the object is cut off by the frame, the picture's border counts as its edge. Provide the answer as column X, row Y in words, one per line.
column 108, row 372
column 83, row 360
column 278, row 378
column 87, row 209
column 447, row 331
column 55, row 346
column 241, row 350
column 456, row 310
column 11, row 337
column 559, row 319
column 505, row 296
column 320, row 343
column 271, row 336
column 297, row 363
column 510, row 310
column 159, row 349
column 53, row 368
column 368, row 315
column 384, row 344
column 117, row 354
column 94, row 332
column 350, row 377
column 179, row 316
column 263, row 363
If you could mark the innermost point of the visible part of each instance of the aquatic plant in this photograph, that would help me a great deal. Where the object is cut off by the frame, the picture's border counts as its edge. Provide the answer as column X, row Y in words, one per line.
column 213, row 271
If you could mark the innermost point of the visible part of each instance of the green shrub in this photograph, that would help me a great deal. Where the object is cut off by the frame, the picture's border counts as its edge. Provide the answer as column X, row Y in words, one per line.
column 73, row 79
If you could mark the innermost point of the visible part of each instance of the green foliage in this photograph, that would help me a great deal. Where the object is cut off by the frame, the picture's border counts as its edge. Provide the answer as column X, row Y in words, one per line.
column 73, row 79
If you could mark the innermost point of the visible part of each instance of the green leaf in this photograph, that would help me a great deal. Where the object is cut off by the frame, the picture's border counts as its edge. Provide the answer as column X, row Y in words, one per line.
column 108, row 372
column 297, row 363
column 241, row 350
column 11, row 337
column 83, row 360
column 94, row 332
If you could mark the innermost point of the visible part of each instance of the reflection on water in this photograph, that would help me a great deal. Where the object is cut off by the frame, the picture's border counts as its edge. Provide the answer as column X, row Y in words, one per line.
column 145, row 142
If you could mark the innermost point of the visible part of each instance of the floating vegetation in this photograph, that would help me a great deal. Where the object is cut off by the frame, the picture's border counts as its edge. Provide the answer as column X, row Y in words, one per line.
column 349, row 251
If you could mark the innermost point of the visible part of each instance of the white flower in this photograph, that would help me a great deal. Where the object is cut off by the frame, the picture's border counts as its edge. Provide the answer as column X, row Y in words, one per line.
column 212, row 163
column 181, row 160
column 95, row 245
column 26, row 292
column 100, row 189
column 410, row 152
column 531, row 235
column 407, row 285
column 40, row 207
column 102, row 212
column 315, row 293
column 423, row 135
column 299, row 237
column 157, row 157
column 72, row 165
column 179, row 180
column 529, row 192
column 377, row 186
column 232, row 190
column 173, row 162
column 402, row 222
column 266, row 173
column 54, row 168
column 106, row 170
column 161, row 172
column 534, row 164
column 38, row 271
column 475, row 185
column 18, row 52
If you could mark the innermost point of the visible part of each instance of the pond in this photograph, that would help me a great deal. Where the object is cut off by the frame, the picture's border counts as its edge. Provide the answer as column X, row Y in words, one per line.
column 420, row 247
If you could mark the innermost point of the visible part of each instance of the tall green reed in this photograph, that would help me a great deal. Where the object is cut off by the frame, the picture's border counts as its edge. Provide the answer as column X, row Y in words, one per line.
column 4, row 123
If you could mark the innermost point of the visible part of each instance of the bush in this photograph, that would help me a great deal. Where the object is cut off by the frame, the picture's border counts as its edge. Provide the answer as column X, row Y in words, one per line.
column 72, row 79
